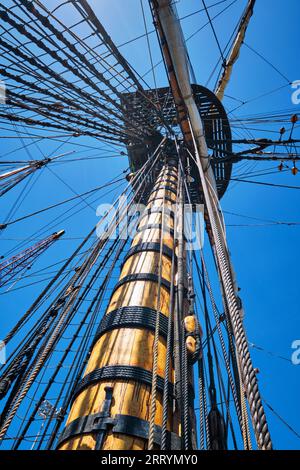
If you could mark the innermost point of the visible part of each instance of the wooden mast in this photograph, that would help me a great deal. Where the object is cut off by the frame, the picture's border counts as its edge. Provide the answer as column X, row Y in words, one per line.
column 116, row 388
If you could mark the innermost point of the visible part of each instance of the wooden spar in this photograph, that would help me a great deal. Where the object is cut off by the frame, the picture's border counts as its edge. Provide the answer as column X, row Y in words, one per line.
column 8, row 174
column 175, row 56
column 235, row 51
column 15, row 265
column 19, row 174
column 132, row 346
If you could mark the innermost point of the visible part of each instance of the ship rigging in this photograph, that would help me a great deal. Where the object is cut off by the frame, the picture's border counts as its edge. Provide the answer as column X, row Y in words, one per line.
column 130, row 344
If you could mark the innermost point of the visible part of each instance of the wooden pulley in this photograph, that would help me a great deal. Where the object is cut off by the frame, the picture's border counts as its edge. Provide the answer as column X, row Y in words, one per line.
column 191, row 344
column 294, row 170
column 217, row 432
column 130, row 176
column 190, row 323
column 294, row 119
column 193, row 337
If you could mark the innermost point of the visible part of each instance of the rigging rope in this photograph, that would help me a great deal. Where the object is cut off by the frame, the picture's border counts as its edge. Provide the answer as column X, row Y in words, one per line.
column 248, row 375
column 157, row 323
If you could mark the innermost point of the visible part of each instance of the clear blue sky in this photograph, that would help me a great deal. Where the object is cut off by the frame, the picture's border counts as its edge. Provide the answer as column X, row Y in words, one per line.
column 266, row 258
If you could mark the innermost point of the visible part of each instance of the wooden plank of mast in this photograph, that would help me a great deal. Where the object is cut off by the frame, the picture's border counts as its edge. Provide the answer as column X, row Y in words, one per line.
column 133, row 346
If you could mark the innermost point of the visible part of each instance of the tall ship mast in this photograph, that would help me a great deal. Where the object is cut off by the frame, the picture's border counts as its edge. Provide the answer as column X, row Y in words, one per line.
column 135, row 341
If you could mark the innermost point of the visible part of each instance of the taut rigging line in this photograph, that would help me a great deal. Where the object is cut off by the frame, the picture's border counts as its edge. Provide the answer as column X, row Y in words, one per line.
column 192, row 127
column 125, row 379
column 10, row 179
column 67, row 299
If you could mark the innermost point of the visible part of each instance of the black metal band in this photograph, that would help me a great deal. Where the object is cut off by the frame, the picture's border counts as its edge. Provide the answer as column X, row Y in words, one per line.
column 145, row 277
column 141, row 277
column 148, row 246
column 158, row 226
column 166, row 188
column 132, row 317
column 124, row 372
column 120, row 424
